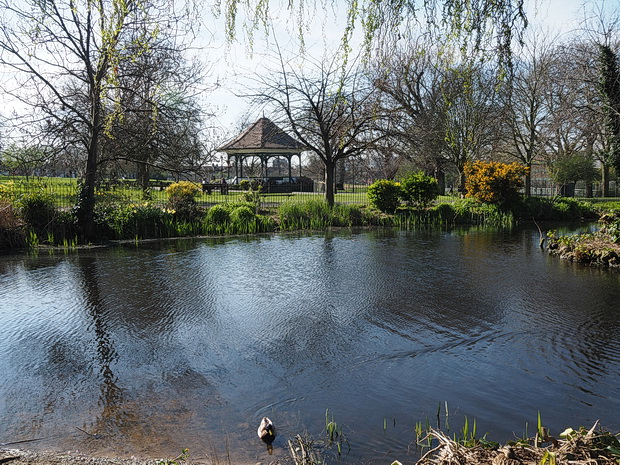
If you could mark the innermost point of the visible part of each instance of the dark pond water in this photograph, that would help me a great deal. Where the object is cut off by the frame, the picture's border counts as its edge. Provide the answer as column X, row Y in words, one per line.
column 188, row 344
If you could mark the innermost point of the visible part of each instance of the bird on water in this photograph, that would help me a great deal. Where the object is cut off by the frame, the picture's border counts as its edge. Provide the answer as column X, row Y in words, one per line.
column 266, row 430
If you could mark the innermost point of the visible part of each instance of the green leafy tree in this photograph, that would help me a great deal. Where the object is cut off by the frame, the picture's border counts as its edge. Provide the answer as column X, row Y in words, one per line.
column 573, row 168
column 609, row 91
column 419, row 189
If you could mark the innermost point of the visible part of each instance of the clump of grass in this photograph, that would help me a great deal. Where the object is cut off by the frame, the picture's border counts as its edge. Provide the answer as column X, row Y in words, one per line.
column 182, row 457
column 334, row 433
column 316, row 214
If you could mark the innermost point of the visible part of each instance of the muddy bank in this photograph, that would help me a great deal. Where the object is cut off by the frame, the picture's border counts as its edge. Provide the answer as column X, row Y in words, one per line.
column 26, row 457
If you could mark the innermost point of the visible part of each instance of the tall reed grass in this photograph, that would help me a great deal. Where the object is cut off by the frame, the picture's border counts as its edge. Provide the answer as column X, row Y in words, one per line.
column 316, row 214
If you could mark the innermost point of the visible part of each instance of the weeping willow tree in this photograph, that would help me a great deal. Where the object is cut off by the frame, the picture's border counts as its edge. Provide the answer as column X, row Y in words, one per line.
column 488, row 26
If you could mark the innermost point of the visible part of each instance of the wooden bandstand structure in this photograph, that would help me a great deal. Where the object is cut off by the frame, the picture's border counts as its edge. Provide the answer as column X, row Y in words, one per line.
column 265, row 140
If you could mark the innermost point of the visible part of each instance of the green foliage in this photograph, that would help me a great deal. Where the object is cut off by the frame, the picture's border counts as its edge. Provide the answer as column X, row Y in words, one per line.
column 244, row 185
column 385, row 195
column 242, row 213
column 610, row 226
column 140, row 220
column 419, row 189
column 348, row 215
column 251, row 197
column 218, row 214
column 573, row 168
column 7, row 190
column 105, row 211
column 11, row 228
column 236, row 218
column 334, row 433
column 37, row 209
column 312, row 214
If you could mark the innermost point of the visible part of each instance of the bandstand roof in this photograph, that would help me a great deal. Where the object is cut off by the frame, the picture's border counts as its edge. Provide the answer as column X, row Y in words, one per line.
column 263, row 137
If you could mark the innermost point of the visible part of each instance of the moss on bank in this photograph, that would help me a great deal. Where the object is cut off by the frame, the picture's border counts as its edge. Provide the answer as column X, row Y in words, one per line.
column 601, row 247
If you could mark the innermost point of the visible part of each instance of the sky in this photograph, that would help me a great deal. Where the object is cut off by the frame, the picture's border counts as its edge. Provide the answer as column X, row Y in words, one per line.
column 234, row 64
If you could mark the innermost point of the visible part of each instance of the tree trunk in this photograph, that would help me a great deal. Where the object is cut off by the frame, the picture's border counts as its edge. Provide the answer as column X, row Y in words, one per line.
column 605, row 180
column 86, row 201
column 528, row 181
column 330, row 168
column 462, row 179
column 341, row 174
column 441, row 180
column 143, row 176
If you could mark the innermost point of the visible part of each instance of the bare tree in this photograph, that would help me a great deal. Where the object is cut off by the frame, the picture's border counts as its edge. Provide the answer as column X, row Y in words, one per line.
column 161, row 121
column 568, row 129
column 410, row 80
column 331, row 110
column 58, row 48
column 523, row 96
column 471, row 115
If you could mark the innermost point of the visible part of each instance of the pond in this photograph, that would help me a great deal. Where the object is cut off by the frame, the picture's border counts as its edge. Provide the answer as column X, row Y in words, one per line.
column 146, row 351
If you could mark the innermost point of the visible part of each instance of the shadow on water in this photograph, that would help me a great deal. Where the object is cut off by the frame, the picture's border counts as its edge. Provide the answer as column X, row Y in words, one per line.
column 146, row 351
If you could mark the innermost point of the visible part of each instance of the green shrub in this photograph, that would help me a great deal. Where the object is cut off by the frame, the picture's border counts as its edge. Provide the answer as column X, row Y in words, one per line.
column 218, row 214
column 242, row 214
column 105, row 212
column 293, row 215
column 568, row 208
column 444, row 213
column 12, row 233
column 419, row 189
column 244, row 185
column 256, row 185
column 65, row 227
column 385, row 195
column 38, row 210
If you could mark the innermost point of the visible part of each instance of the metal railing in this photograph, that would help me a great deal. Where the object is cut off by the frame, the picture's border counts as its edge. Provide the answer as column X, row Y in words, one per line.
column 64, row 192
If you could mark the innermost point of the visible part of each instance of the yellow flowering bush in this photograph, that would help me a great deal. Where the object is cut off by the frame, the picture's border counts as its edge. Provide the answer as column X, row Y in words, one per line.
column 182, row 199
column 7, row 190
column 183, row 190
column 494, row 182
